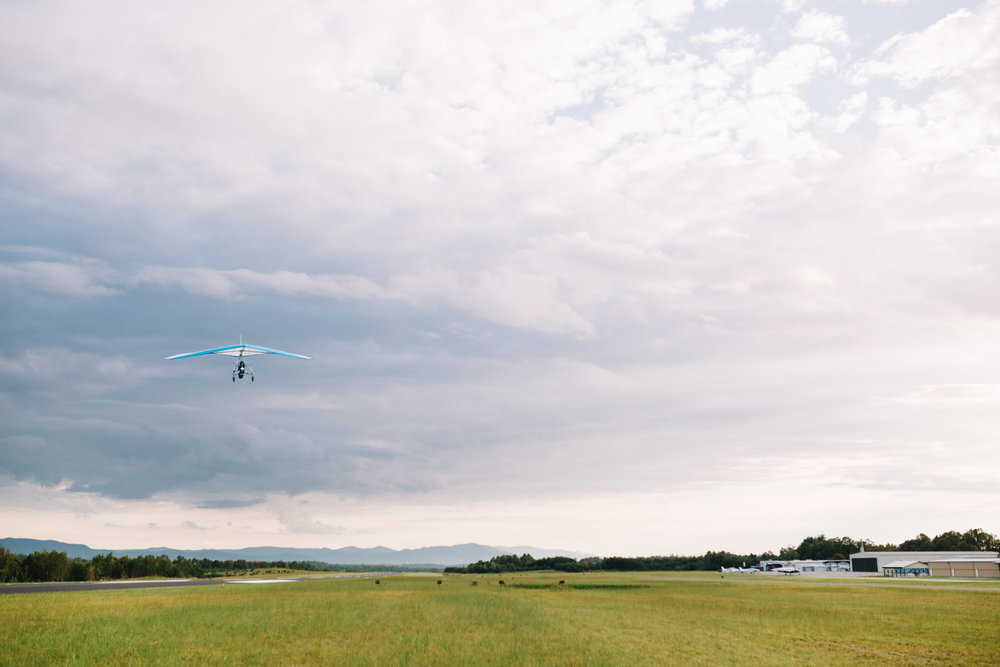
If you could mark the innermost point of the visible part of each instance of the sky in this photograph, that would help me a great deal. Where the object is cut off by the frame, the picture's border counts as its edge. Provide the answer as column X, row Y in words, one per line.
column 615, row 277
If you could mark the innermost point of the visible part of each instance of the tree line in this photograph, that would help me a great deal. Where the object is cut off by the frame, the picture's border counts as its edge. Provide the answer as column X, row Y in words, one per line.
column 839, row 548
column 811, row 548
column 57, row 566
column 712, row 560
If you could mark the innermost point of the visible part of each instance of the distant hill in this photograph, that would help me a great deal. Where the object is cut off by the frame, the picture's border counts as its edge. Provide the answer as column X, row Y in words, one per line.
column 459, row 554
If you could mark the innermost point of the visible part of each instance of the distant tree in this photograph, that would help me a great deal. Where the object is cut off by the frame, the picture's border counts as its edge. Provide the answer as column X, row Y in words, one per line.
column 182, row 567
column 823, row 548
column 46, row 566
column 950, row 541
column 550, row 563
column 620, row 563
column 81, row 570
column 842, row 547
column 10, row 566
column 980, row 540
column 713, row 560
column 975, row 539
column 871, row 545
column 107, row 566
column 809, row 547
column 163, row 567
column 919, row 543
column 788, row 553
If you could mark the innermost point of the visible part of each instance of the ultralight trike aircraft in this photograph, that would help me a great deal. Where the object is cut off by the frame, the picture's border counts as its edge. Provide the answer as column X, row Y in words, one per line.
column 240, row 367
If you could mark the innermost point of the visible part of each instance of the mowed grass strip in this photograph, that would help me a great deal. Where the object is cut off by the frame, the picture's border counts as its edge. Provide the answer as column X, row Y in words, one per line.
column 532, row 620
column 401, row 621
column 712, row 621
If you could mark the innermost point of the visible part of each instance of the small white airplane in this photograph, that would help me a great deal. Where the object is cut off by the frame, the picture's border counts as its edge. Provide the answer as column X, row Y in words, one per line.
column 240, row 367
column 788, row 569
column 739, row 570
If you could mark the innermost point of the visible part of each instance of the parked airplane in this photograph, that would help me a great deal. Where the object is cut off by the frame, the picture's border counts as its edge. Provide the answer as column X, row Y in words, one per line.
column 240, row 367
column 738, row 570
column 788, row 569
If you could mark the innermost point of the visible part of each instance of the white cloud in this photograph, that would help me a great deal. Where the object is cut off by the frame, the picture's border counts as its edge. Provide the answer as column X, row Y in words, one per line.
column 515, row 298
column 238, row 283
column 951, row 394
column 723, row 242
column 509, row 297
column 723, row 35
column 667, row 13
column 811, row 276
column 963, row 43
column 87, row 372
column 83, row 277
column 851, row 111
column 792, row 68
column 816, row 26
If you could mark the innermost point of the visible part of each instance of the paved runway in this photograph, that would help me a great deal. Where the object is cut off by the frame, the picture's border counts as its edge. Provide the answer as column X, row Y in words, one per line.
column 66, row 586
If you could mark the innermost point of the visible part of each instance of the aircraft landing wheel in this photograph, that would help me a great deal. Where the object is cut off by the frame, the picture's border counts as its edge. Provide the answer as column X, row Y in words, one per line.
column 234, row 379
column 251, row 378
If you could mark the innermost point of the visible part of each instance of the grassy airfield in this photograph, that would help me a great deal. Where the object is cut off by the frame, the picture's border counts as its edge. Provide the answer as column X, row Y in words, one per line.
column 592, row 619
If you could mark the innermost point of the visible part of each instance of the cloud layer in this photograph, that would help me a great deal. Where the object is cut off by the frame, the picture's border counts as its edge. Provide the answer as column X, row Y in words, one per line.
column 661, row 261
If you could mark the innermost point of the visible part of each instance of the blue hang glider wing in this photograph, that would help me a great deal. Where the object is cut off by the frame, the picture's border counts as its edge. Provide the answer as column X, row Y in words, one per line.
column 241, row 350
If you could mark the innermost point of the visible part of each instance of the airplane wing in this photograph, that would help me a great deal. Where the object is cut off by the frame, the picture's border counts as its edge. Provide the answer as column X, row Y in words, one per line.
column 241, row 350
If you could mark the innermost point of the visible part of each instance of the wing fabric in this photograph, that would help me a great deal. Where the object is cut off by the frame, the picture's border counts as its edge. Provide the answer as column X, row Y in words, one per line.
column 230, row 350
column 243, row 350
column 253, row 349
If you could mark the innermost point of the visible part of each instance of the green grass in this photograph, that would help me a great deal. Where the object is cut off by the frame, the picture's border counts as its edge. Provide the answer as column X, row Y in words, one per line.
column 593, row 619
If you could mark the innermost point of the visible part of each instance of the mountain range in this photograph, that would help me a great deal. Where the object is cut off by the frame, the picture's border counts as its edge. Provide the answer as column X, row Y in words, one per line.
column 459, row 554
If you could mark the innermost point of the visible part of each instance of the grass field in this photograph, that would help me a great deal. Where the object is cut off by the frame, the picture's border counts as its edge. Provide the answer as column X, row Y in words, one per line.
column 594, row 619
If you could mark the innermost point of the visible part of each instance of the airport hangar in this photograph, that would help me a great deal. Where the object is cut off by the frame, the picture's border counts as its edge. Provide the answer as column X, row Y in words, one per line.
column 971, row 564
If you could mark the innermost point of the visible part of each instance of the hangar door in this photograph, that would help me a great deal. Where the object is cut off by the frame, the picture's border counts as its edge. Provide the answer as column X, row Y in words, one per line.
column 864, row 564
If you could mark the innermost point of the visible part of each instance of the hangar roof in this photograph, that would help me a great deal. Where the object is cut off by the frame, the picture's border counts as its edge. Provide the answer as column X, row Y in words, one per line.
column 904, row 563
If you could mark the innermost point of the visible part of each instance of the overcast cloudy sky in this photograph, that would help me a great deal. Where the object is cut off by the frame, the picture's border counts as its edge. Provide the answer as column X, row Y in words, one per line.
column 621, row 277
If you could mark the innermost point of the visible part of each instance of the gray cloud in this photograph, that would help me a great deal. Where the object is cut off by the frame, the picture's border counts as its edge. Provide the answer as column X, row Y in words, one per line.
column 229, row 503
column 539, row 253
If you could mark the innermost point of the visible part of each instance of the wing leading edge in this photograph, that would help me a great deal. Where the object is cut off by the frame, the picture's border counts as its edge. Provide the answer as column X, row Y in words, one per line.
column 241, row 350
